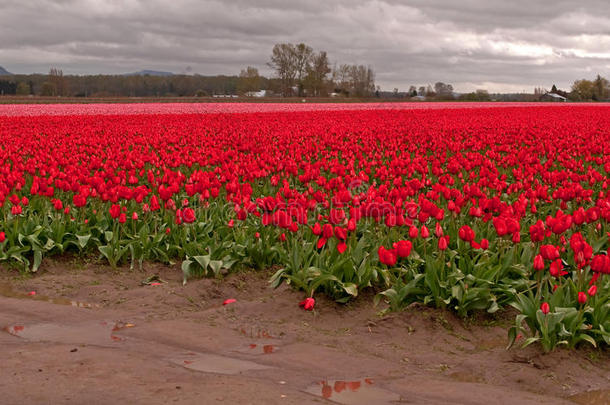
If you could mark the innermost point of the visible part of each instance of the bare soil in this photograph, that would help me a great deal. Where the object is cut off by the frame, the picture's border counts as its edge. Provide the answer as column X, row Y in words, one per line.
column 91, row 334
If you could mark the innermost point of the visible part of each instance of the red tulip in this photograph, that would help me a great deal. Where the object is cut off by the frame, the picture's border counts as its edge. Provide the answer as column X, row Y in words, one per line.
column 327, row 231
column 466, row 233
column 307, row 304
column 501, row 226
column 443, row 243
column 549, row 252
column 403, row 248
column 582, row 297
column 387, row 257
column 115, row 211
column 188, row 215
column 545, row 308
column 556, row 269
column 438, row 230
column 538, row 263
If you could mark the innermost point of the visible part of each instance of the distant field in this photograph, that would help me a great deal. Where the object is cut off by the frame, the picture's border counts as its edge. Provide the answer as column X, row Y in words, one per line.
column 131, row 100
column 151, row 107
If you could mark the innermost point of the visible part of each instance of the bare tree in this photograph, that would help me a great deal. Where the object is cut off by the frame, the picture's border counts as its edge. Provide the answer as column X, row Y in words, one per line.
column 357, row 80
column 56, row 76
column 363, row 80
column 283, row 61
column 316, row 80
column 341, row 79
column 601, row 88
column 302, row 55
column 539, row 91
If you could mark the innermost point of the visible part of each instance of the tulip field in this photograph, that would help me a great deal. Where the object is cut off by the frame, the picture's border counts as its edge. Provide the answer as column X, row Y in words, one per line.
column 474, row 208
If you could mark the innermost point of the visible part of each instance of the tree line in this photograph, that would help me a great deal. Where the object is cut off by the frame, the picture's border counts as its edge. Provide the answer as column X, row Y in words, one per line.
column 299, row 71
column 123, row 85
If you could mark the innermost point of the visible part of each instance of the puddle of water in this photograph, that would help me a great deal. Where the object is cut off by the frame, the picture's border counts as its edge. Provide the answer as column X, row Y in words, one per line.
column 254, row 348
column 7, row 291
column 212, row 363
column 353, row 392
column 256, row 333
column 598, row 397
column 95, row 333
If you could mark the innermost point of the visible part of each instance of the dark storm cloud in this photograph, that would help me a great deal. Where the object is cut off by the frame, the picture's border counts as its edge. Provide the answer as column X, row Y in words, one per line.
column 504, row 46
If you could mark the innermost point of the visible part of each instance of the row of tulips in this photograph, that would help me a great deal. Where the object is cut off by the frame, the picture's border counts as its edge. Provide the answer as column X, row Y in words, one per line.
column 467, row 209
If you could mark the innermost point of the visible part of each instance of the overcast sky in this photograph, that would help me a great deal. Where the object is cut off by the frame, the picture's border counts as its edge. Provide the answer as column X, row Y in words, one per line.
column 500, row 45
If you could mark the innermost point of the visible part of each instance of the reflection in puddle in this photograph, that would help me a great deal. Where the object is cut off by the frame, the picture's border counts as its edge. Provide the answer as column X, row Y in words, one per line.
column 212, row 363
column 258, row 349
column 353, row 392
column 256, row 333
column 94, row 333
column 598, row 397
column 7, row 291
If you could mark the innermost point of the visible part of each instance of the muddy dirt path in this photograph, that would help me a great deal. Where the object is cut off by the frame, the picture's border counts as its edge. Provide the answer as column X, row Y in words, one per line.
column 93, row 335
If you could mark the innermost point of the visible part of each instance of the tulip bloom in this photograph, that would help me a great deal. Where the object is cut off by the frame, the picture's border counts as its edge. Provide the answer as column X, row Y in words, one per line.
column 545, row 308
column 115, row 211
column 188, row 215
column 443, row 243
column 387, row 257
column 549, row 252
column 307, row 304
column 538, row 263
column 403, row 248
column 466, row 233
column 556, row 269
column 582, row 297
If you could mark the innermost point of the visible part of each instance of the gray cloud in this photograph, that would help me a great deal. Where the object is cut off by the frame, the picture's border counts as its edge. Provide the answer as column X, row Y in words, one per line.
column 500, row 45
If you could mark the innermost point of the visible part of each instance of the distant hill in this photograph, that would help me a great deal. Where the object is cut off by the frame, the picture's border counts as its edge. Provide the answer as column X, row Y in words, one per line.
column 3, row 71
column 149, row 73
